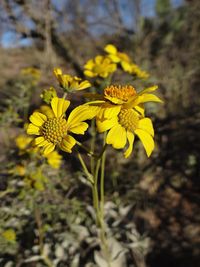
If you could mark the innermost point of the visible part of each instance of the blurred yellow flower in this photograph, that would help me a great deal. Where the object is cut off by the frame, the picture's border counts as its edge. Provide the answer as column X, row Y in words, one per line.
column 19, row 170
column 122, row 114
column 70, row 83
column 118, row 57
column 99, row 66
column 36, row 180
column 31, row 71
column 53, row 129
column 135, row 70
column 9, row 235
column 54, row 159
column 23, row 141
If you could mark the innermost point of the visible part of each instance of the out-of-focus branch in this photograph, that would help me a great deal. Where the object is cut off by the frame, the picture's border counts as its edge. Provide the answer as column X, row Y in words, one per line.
column 19, row 27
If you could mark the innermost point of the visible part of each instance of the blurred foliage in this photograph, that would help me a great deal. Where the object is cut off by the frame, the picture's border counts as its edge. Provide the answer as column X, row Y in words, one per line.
column 163, row 7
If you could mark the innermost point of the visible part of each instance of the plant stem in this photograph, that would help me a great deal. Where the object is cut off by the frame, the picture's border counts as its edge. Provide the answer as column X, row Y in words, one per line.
column 38, row 220
column 89, row 152
column 92, row 147
column 103, row 160
column 95, row 192
column 88, row 174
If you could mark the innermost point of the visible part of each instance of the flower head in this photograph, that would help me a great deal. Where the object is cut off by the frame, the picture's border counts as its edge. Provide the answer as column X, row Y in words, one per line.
column 118, row 57
column 23, row 141
column 120, row 113
column 70, row 83
column 54, row 159
column 35, row 180
column 135, row 70
column 99, row 66
column 9, row 235
column 124, row 126
column 32, row 72
column 52, row 128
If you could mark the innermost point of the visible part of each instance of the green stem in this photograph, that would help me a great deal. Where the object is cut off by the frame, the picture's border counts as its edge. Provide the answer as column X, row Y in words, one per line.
column 95, row 192
column 89, row 152
column 88, row 174
column 64, row 95
column 92, row 147
column 103, row 160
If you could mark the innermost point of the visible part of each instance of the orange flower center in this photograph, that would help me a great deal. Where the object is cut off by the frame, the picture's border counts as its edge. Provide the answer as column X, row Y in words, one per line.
column 120, row 92
column 128, row 119
column 54, row 130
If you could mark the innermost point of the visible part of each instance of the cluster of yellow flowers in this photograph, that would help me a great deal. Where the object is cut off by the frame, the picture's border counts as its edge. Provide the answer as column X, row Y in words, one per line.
column 103, row 66
column 119, row 110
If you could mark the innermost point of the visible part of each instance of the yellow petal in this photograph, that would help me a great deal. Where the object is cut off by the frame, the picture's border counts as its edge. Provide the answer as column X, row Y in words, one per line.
column 111, row 49
column 67, row 143
column 146, row 140
column 57, row 71
column 81, row 113
column 117, row 137
column 89, row 73
column 149, row 98
column 115, row 100
column 104, row 125
column 40, row 141
column 108, row 111
column 98, row 59
column 130, row 137
column 32, row 129
column 140, row 109
column 46, row 110
column 111, row 111
column 146, row 125
column 148, row 90
column 83, row 85
column 59, row 106
column 126, row 66
column 89, row 65
column 48, row 148
column 114, row 58
column 38, row 118
column 80, row 128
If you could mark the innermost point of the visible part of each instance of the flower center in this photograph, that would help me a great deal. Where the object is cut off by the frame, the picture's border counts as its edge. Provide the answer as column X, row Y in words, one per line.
column 54, row 129
column 129, row 119
column 121, row 92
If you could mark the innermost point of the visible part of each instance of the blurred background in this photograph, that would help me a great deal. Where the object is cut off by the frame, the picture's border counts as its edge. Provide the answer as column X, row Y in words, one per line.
column 154, row 202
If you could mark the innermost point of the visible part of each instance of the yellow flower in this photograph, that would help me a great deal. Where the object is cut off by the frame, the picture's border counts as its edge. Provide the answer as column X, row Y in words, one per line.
column 100, row 66
column 124, row 126
column 32, row 72
column 23, row 141
column 118, row 57
column 9, row 235
column 53, row 128
column 70, row 83
column 19, row 170
column 36, row 180
column 122, row 114
column 135, row 69
column 54, row 159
